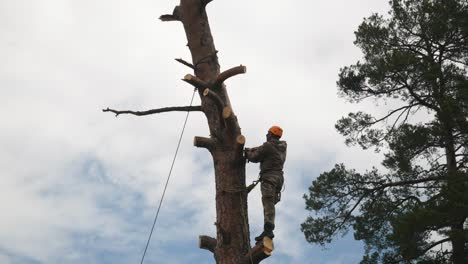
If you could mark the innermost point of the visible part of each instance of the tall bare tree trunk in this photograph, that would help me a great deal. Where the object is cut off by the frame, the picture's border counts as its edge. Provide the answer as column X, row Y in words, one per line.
column 232, row 244
column 225, row 142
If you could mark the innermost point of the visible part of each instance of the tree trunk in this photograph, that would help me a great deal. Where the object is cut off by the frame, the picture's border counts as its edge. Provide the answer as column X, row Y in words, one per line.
column 225, row 142
column 457, row 238
column 455, row 189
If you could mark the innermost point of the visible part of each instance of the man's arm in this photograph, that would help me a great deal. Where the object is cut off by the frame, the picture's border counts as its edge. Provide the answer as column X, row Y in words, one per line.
column 256, row 154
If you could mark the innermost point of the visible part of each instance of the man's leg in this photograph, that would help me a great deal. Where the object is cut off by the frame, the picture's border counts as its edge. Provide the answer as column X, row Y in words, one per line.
column 268, row 201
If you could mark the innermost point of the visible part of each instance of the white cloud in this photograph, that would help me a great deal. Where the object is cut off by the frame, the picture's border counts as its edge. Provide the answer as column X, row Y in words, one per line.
column 68, row 170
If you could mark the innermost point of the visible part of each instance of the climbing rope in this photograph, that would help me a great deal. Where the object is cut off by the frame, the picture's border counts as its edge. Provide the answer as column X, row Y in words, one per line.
column 168, row 178
column 246, row 231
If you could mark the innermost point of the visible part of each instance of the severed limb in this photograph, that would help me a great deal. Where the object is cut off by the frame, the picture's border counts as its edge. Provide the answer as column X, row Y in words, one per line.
column 216, row 99
column 188, row 64
column 207, row 242
column 229, row 118
column 229, row 73
column 155, row 111
column 240, row 142
column 195, row 81
column 260, row 251
column 203, row 142
column 174, row 17
column 227, row 112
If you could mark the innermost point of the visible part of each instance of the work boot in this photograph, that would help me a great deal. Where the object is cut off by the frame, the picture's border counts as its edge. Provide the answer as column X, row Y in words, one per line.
column 267, row 232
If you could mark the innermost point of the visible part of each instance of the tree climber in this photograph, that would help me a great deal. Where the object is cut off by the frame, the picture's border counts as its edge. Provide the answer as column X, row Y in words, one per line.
column 271, row 155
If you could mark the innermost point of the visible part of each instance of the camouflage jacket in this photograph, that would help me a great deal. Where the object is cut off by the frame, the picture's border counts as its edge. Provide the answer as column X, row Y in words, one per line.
column 271, row 155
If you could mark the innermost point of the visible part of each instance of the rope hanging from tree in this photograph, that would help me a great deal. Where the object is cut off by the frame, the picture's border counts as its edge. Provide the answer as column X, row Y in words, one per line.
column 168, row 178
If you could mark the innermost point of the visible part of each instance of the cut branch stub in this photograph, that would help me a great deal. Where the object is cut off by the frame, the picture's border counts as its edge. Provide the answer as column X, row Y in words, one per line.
column 227, row 112
column 207, row 242
column 174, row 17
column 229, row 73
column 195, row 81
column 188, row 64
column 230, row 120
column 260, row 251
column 210, row 94
column 240, row 140
column 203, row 142
column 166, row 18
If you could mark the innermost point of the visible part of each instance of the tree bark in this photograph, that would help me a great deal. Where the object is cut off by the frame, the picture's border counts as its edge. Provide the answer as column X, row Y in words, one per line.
column 226, row 144
column 455, row 188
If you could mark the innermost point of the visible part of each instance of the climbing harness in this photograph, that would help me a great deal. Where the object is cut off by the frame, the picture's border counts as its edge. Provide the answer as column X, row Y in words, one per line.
column 254, row 183
column 168, row 177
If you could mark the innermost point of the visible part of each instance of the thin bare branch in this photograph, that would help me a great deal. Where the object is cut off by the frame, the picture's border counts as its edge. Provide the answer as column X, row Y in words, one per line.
column 433, row 245
column 188, row 64
column 419, row 98
column 350, row 212
column 392, row 128
column 369, row 191
column 155, row 111
column 409, row 182
column 406, row 107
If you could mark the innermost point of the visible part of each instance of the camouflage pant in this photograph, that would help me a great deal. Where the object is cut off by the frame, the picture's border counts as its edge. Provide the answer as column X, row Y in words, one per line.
column 271, row 188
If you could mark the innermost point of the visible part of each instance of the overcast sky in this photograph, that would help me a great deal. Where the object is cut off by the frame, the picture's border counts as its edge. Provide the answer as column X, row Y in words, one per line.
column 81, row 186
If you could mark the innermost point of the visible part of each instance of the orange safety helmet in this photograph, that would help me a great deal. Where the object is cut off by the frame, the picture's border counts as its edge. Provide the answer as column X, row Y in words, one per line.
column 276, row 130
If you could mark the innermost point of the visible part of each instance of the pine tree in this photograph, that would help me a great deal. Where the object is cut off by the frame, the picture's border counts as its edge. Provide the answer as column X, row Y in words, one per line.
column 415, row 210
